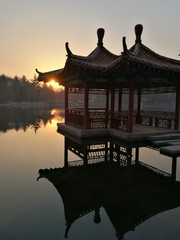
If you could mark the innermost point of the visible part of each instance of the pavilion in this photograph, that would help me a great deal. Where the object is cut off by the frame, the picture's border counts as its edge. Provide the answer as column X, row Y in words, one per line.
column 136, row 71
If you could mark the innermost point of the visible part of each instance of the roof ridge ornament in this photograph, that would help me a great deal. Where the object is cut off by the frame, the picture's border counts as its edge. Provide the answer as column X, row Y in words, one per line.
column 100, row 34
column 38, row 71
column 124, row 45
column 138, row 31
column 68, row 49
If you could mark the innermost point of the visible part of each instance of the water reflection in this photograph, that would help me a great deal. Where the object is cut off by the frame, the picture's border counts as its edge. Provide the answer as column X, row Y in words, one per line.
column 25, row 118
column 108, row 176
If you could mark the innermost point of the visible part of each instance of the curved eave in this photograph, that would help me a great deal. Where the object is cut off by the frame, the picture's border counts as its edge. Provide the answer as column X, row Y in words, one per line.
column 56, row 75
column 98, row 60
column 130, row 62
column 144, row 53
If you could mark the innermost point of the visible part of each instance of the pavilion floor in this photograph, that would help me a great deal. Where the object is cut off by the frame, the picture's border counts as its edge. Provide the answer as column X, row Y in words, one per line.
column 140, row 132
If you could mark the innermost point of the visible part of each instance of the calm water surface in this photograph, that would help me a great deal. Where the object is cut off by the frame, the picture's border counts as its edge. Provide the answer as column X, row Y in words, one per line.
column 32, row 209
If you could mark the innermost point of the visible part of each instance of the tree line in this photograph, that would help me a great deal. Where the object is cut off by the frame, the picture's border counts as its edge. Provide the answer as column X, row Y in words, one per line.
column 21, row 89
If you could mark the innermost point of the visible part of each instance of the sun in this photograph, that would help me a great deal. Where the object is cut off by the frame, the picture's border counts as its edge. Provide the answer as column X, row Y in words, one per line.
column 52, row 83
column 55, row 85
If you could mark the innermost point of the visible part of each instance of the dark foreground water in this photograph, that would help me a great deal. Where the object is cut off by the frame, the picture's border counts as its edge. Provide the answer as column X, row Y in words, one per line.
column 31, row 209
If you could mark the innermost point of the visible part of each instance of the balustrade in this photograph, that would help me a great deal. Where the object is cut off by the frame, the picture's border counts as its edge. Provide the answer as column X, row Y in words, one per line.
column 100, row 118
column 157, row 119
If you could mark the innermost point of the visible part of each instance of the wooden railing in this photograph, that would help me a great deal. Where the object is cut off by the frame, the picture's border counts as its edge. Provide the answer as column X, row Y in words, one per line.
column 75, row 116
column 100, row 118
column 158, row 119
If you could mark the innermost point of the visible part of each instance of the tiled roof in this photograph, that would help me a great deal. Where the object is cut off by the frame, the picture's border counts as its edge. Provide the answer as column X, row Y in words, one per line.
column 142, row 52
column 45, row 77
column 100, row 60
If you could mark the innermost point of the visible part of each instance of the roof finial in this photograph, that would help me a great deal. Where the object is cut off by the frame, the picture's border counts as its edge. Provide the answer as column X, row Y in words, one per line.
column 138, row 31
column 124, row 45
column 100, row 34
column 67, row 49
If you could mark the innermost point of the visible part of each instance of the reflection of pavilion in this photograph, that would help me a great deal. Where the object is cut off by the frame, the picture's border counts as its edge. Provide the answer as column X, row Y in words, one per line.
column 99, row 150
column 130, row 193
column 109, row 150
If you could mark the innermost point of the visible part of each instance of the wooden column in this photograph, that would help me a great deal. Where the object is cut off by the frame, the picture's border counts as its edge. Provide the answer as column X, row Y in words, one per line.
column 138, row 116
column 65, row 153
column 107, row 99
column 111, row 151
column 106, row 151
column 107, row 107
column 112, row 105
column 137, row 156
column 177, row 108
column 174, row 166
column 85, row 159
column 120, row 100
column 112, row 99
column 86, row 106
column 129, row 156
column 130, row 108
column 118, row 154
column 66, row 101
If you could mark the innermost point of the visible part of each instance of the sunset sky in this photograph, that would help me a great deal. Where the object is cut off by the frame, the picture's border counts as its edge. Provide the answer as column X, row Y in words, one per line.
column 34, row 32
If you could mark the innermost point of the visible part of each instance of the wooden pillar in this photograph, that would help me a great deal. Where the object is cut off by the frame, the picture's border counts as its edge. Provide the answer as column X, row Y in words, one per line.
column 85, row 159
column 106, row 151
column 66, row 92
column 112, row 106
column 137, row 156
column 174, row 166
column 120, row 100
column 107, row 108
column 130, row 108
column 138, row 116
column 177, row 109
column 118, row 154
column 65, row 153
column 129, row 156
column 107, row 99
column 111, row 151
column 112, row 98
column 86, row 106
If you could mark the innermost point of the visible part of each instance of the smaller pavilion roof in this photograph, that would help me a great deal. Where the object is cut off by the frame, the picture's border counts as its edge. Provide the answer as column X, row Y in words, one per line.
column 101, row 61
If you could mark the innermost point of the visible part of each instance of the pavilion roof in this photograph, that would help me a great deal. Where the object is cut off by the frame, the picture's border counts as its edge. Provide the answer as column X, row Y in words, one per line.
column 101, row 61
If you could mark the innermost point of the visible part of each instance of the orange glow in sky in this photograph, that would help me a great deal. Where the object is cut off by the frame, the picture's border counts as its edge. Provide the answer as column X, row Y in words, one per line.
column 55, row 85
column 20, row 21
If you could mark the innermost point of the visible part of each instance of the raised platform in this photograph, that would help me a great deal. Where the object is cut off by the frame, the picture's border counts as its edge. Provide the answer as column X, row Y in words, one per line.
column 140, row 132
column 171, row 151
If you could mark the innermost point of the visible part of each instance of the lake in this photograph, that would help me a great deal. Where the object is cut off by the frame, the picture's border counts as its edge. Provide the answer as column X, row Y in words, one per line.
column 32, row 209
